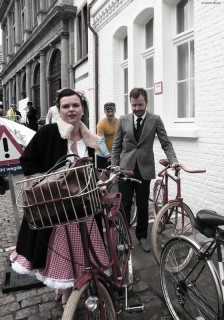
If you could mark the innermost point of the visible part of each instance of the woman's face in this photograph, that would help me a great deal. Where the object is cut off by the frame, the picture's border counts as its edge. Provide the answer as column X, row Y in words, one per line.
column 71, row 110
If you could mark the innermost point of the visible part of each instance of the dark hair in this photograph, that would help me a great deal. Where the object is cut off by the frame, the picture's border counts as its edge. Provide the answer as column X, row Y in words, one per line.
column 67, row 93
column 136, row 92
column 29, row 103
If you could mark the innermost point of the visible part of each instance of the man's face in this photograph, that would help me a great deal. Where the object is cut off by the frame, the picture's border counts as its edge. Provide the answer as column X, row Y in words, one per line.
column 110, row 114
column 138, row 105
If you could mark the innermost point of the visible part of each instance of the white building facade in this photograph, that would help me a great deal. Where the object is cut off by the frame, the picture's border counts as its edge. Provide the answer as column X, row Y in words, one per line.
column 173, row 48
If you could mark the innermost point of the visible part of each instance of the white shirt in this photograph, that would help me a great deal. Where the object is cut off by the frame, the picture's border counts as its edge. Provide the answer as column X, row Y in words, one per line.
column 81, row 148
column 135, row 119
column 52, row 115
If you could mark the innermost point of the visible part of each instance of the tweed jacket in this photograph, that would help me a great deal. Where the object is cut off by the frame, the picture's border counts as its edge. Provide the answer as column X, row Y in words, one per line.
column 126, row 150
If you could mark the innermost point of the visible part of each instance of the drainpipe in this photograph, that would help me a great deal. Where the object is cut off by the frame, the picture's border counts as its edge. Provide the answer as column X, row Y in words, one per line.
column 96, row 61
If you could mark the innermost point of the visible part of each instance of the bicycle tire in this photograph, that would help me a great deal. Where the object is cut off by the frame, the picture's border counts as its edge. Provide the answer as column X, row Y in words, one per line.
column 123, row 245
column 194, row 292
column 75, row 308
column 163, row 230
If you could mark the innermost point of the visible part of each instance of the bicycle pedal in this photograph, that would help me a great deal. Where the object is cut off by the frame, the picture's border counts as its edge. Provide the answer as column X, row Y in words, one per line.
column 135, row 308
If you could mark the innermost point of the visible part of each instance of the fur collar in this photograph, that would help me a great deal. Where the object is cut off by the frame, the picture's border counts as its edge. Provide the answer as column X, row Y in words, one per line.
column 90, row 139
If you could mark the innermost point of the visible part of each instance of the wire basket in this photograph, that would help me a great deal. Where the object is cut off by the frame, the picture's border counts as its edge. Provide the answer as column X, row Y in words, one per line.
column 68, row 195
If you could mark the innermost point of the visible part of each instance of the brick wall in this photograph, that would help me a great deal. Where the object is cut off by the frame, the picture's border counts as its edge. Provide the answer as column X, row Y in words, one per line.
column 206, row 151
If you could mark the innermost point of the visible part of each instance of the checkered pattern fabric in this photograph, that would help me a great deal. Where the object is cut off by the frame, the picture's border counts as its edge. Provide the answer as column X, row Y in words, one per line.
column 62, row 266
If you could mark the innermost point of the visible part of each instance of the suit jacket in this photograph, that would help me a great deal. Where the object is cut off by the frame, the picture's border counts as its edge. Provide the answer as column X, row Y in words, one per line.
column 126, row 150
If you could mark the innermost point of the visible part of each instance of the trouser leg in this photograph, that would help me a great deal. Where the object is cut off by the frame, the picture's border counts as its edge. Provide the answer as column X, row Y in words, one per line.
column 142, row 198
column 126, row 188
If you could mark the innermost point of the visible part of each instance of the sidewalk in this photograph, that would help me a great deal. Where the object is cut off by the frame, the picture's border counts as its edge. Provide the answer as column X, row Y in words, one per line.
column 37, row 303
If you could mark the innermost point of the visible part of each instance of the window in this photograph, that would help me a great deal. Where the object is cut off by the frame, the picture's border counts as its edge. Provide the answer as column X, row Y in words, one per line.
column 185, row 80
column 6, row 40
column 149, row 34
column 149, row 63
column 185, row 91
column 23, row 22
column 55, row 65
column 185, row 15
column 125, row 74
column 125, row 46
column 34, row 11
column 150, row 83
column 82, row 34
column 126, row 101
column 13, row 30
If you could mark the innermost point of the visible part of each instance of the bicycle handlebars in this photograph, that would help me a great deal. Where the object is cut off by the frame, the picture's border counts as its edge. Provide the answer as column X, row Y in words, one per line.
column 177, row 168
column 117, row 172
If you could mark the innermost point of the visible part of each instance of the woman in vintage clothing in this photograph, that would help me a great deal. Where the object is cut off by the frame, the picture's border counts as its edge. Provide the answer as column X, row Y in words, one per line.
column 45, row 252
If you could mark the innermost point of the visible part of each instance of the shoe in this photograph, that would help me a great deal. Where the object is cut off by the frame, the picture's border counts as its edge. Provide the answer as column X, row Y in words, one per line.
column 144, row 245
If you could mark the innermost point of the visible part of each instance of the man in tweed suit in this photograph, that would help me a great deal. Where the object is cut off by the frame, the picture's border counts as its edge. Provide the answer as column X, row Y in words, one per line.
column 133, row 150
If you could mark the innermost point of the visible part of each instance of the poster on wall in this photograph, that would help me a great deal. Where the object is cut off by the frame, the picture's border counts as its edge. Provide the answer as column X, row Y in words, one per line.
column 23, row 109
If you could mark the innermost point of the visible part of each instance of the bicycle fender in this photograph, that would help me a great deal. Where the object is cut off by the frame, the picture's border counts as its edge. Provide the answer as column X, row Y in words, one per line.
column 86, row 278
column 82, row 280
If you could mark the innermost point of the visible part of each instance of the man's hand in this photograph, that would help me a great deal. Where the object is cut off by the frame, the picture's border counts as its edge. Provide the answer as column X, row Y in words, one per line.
column 175, row 165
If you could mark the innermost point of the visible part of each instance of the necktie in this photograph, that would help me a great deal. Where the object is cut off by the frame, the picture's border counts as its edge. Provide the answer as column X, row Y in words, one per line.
column 138, row 123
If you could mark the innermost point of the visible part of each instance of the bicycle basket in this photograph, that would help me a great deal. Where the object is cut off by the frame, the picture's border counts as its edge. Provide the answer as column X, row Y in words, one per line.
column 68, row 195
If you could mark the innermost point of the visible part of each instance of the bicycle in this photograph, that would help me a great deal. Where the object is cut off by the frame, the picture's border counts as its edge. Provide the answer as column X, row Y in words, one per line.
column 191, row 284
column 93, row 295
column 172, row 216
column 113, row 187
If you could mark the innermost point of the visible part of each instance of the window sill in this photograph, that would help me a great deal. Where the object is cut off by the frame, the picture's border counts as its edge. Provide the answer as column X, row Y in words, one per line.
column 183, row 133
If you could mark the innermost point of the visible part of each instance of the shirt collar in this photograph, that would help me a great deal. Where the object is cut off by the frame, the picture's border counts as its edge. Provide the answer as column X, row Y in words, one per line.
column 143, row 117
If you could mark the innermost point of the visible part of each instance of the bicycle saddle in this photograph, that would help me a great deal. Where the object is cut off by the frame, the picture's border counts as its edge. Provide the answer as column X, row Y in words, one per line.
column 207, row 222
column 164, row 162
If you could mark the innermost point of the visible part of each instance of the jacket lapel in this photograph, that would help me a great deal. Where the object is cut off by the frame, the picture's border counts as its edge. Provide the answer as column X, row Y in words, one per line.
column 148, row 125
column 130, row 129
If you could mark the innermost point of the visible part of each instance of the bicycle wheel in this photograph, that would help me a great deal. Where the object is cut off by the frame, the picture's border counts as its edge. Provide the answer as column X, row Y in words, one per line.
column 133, row 211
column 168, row 223
column 193, row 292
column 158, row 196
column 123, row 246
column 76, row 307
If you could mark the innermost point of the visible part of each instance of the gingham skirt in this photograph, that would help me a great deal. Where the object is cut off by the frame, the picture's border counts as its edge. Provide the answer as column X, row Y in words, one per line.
column 63, row 266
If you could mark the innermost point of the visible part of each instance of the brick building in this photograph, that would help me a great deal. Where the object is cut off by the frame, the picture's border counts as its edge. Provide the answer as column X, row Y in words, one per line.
column 173, row 48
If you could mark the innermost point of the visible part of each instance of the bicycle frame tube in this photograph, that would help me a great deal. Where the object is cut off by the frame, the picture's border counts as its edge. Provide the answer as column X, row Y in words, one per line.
column 178, row 198
column 108, row 217
column 165, row 187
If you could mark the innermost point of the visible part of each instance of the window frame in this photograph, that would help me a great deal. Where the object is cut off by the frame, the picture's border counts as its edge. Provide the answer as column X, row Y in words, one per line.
column 179, row 39
column 82, row 34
